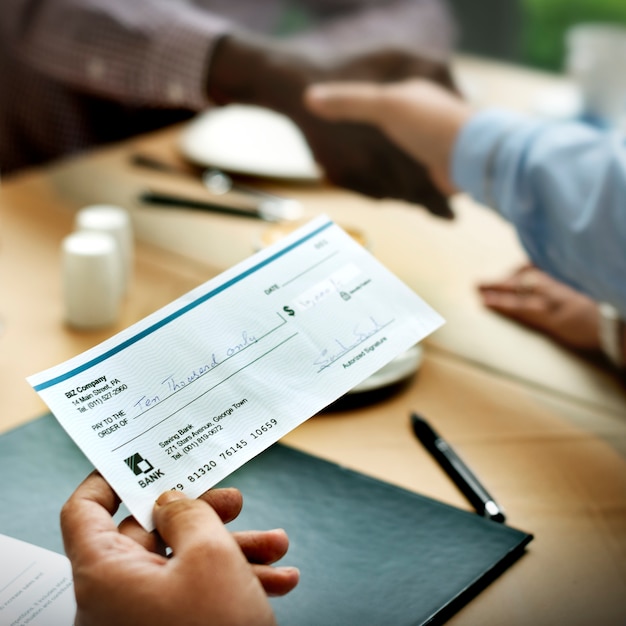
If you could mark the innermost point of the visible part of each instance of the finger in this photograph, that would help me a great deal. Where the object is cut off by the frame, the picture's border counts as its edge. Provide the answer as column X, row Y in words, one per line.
column 419, row 187
column 263, row 547
column 151, row 542
column 357, row 102
column 530, row 309
column 87, row 513
column 504, row 301
column 227, row 502
column 435, row 202
column 504, row 286
column 186, row 525
column 520, row 280
column 277, row 581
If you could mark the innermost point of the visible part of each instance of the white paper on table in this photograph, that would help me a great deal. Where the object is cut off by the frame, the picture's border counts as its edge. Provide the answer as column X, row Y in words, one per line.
column 189, row 394
column 35, row 586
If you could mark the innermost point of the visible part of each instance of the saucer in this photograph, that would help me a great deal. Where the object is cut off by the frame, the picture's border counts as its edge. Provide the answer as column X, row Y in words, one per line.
column 398, row 369
column 249, row 140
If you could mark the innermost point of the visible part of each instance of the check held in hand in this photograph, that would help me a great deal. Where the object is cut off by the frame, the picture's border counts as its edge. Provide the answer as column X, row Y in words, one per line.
column 189, row 394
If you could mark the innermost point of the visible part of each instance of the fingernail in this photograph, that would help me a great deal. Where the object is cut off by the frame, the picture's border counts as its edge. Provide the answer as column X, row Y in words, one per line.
column 288, row 569
column 168, row 496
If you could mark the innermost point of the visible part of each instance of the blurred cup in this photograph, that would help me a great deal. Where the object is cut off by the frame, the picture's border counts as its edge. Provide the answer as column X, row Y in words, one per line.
column 91, row 275
column 115, row 221
column 595, row 56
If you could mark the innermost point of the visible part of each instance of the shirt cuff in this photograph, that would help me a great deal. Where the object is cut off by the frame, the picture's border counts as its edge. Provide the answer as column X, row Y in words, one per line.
column 476, row 149
column 177, row 67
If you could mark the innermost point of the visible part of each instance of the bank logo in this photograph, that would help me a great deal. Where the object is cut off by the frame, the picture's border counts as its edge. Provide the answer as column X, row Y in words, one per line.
column 138, row 464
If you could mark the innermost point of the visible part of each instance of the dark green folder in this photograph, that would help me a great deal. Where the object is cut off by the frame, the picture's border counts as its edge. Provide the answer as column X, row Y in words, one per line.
column 369, row 553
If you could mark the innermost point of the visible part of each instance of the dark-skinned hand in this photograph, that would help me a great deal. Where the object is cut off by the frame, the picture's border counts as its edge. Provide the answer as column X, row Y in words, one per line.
column 356, row 156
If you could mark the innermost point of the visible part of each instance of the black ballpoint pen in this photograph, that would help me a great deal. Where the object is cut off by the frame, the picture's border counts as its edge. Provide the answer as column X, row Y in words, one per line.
column 462, row 476
column 169, row 200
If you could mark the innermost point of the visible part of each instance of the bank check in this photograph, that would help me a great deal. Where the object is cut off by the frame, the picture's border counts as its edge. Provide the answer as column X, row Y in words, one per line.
column 189, row 394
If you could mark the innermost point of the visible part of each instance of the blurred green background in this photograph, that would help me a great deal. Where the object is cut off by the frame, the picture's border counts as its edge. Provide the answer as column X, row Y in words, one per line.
column 530, row 32
column 546, row 21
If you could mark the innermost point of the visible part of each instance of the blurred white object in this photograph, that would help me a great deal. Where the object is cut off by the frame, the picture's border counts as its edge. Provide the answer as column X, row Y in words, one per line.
column 595, row 58
column 249, row 140
column 561, row 102
column 91, row 273
column 115, row 221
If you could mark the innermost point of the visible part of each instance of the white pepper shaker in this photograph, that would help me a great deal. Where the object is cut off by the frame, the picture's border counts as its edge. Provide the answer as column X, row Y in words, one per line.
column 115, row 221
column 91, row 275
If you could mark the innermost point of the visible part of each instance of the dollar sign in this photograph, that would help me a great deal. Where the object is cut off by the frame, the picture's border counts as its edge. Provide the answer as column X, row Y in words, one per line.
column 289, row 311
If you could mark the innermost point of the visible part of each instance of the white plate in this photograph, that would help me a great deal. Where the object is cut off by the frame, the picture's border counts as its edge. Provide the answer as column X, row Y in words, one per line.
column 397, row 370
column 249, row 140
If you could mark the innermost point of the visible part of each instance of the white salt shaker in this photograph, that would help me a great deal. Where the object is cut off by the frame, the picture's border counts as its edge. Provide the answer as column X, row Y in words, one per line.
column 91, row 275
column 115, row 221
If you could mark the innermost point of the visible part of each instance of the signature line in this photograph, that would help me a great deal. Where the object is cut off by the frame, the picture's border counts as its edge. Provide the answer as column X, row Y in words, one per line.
column 356, row 345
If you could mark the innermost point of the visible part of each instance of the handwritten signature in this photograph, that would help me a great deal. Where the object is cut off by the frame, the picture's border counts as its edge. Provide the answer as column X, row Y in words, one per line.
column 360, row 333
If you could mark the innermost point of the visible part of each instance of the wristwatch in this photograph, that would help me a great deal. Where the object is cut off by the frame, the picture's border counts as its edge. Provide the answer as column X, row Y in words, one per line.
column 611, row 329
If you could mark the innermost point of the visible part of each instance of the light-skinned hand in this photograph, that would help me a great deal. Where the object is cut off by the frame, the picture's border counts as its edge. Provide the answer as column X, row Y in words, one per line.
column 419, row 116
column 123, row 577
column 537, row 300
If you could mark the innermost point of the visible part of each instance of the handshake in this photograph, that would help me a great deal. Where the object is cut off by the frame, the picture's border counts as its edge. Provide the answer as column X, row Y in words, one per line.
column 355, row 154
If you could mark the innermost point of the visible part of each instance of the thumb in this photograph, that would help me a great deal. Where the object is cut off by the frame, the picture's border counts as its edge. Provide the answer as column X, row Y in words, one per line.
column 354, row 101
column 185, row 524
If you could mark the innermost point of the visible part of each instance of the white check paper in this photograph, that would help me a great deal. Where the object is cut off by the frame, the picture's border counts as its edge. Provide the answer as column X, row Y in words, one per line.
column 189, row 394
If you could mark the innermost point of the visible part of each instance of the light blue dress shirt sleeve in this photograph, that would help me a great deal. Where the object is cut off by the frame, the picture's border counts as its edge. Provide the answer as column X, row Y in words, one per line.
column 562, row 185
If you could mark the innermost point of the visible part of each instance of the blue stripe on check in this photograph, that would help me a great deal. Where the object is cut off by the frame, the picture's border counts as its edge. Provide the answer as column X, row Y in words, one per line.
column 188, row 307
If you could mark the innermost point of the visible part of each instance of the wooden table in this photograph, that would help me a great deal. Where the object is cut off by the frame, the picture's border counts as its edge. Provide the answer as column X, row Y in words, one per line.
column 532, row 441
column 442, row 261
